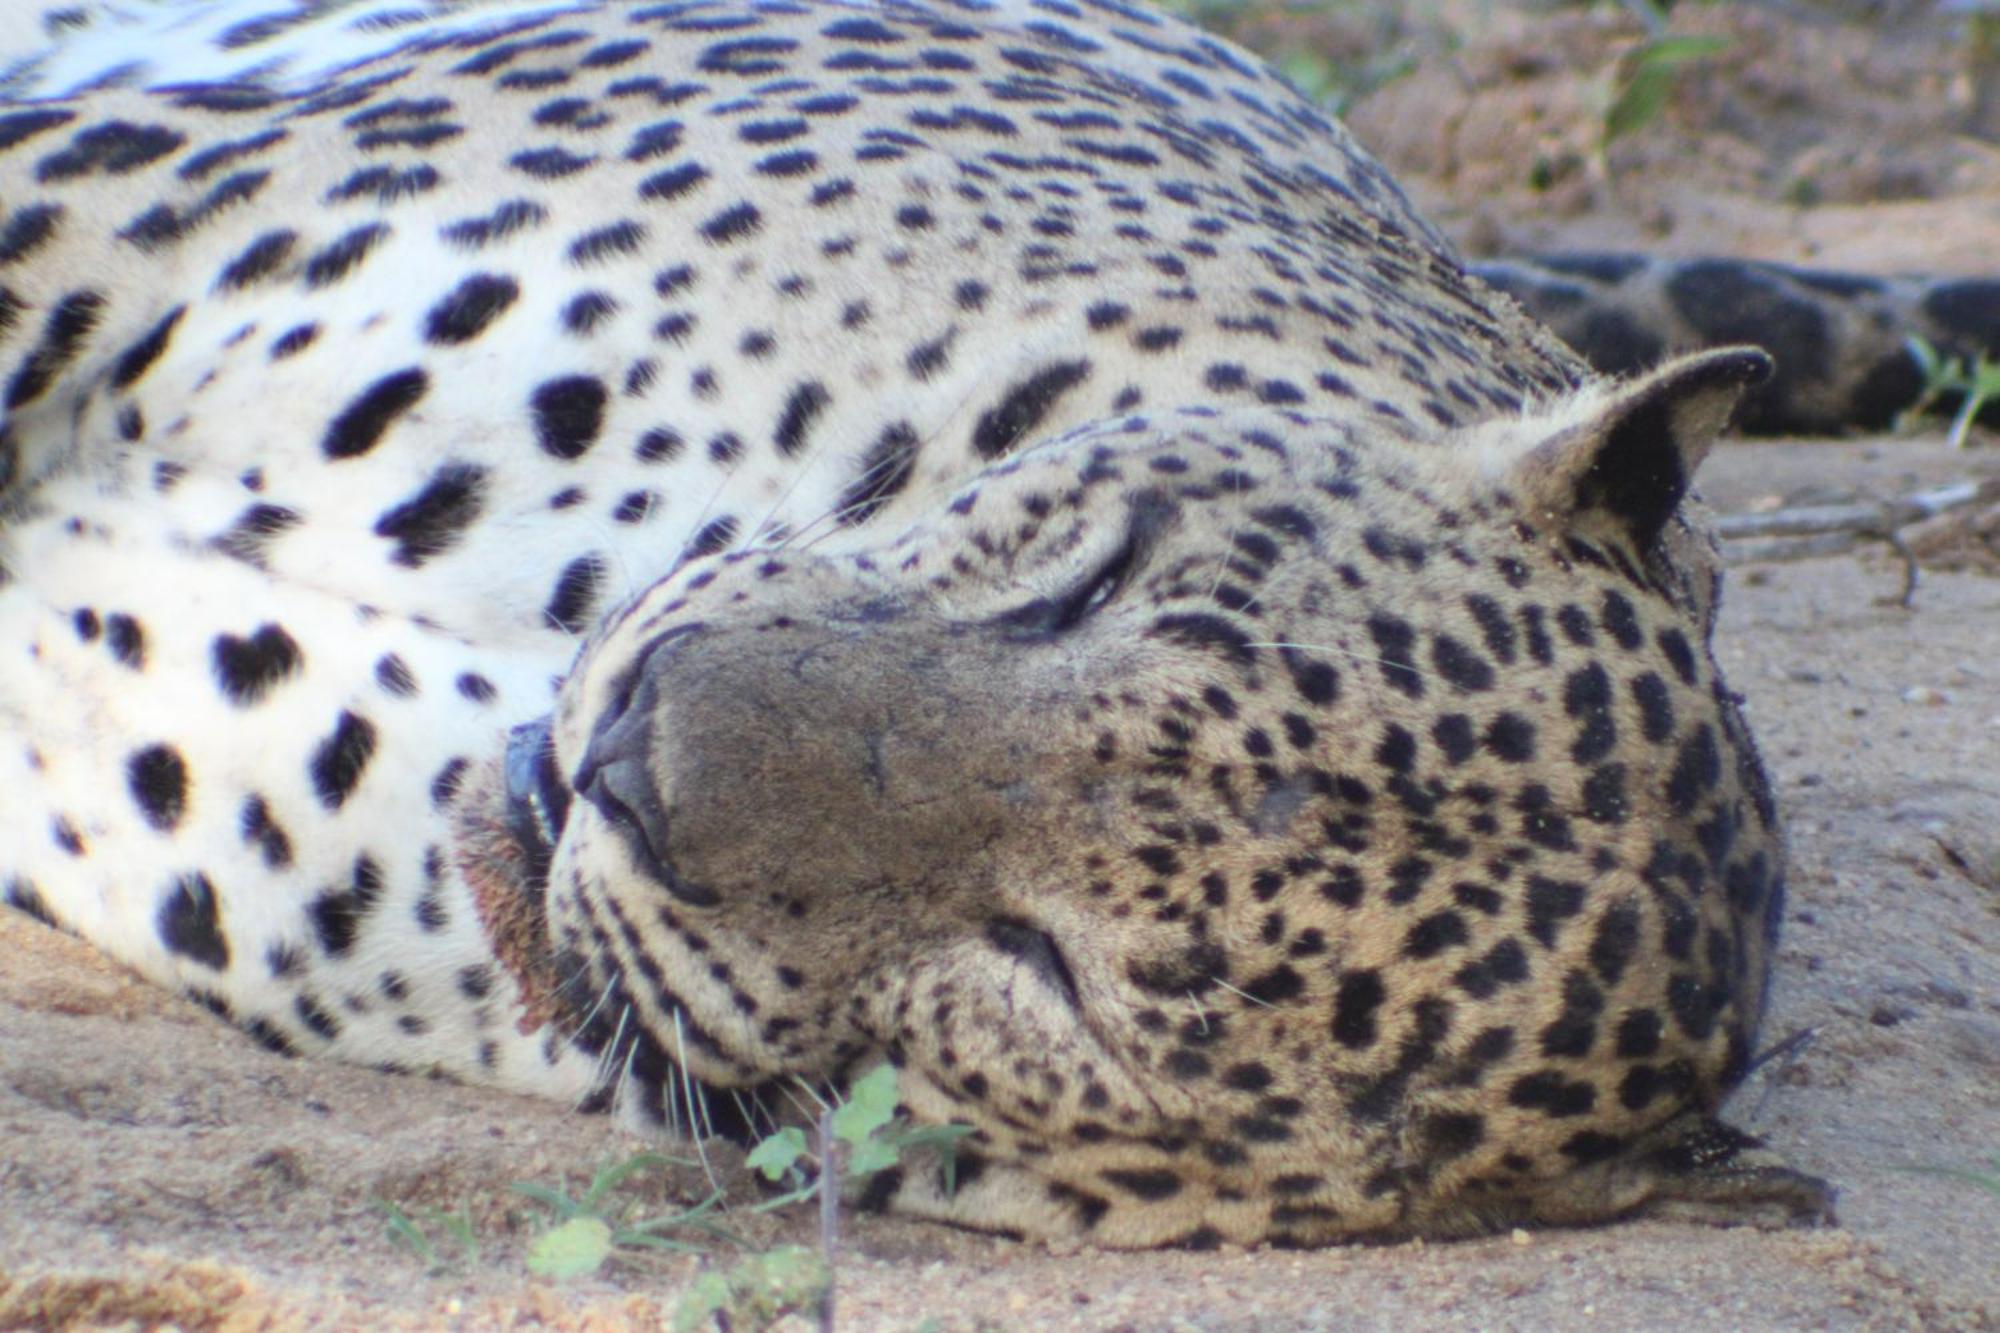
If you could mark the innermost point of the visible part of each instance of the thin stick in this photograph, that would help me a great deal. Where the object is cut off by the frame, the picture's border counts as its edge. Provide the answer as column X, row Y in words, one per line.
column 1804, row 532
column 829, row 1211
column 1868, row 518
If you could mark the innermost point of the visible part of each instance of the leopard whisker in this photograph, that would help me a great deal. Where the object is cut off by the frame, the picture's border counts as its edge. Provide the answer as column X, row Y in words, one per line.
column 1233, row 990
column 1228, row 540
column 698, row 1122
column 1347, row 653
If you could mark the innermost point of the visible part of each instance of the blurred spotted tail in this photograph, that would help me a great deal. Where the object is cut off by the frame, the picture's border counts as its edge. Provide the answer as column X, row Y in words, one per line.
column 1841, row 340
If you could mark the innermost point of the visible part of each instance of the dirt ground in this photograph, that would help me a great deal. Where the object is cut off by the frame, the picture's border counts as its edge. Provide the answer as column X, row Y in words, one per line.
column 159, row 1170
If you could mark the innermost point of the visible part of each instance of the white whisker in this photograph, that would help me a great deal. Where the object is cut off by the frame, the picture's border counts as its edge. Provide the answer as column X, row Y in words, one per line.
column 1262, row 1004
column 698, row 1123
column 1347, row 653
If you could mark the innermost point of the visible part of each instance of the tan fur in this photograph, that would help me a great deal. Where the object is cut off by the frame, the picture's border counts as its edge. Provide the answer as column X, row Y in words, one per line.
column 1037, row 565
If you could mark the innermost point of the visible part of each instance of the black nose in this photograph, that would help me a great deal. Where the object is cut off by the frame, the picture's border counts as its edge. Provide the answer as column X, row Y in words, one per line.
column 616, row 777
column 625, row 691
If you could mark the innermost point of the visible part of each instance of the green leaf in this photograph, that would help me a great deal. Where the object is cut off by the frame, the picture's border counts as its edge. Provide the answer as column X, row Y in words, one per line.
column 756, row 1292
column 870, row 1104
column 787, row 1280
column 870, row 1156
column 563, row 1205
column 1988, row 1180
column 778, row 1153
column 1673, row 51
column 705, row 1296
column 1651, row 73
column 787, row 1199
column 695, row 1217
column 640, row 1240
column 1982, row 385
column 459, row 1226
column 611, row 1176
column 577, row 1248
column 938, row 1138
column 1638, row 104
column 793, row 1270
column 407, row 1233
column 1310, row 73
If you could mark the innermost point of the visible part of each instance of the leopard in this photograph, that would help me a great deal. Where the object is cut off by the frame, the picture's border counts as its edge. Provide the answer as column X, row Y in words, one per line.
column 657, row 554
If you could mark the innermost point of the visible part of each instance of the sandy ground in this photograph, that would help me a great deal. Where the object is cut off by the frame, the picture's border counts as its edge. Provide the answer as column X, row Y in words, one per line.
column 157, row 1169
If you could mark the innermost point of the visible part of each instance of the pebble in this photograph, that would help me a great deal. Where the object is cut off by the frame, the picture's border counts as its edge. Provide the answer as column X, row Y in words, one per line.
column 1926, row 696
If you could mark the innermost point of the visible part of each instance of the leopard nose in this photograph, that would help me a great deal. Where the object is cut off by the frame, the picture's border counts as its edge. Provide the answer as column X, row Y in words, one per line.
column 619, row 737
column 635, row 689
column 616, row 778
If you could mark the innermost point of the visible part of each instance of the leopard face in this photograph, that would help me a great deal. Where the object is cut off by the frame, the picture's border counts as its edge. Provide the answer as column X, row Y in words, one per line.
column 1198, row 802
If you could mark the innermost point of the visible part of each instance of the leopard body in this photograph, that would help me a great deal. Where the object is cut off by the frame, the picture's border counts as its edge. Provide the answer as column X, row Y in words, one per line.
column 644, row 552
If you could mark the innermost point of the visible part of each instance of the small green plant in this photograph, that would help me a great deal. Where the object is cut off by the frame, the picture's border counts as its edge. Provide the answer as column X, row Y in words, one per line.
column 758, row 1291
column 590, row 1229
column 1214, row 14
column 406, row 1231
column 858, row 1137
column 865, row 1125
column 1988, row 1180
column 1982, row 62
column 1646, row 78
column 1282, row 31
column 1977, row 382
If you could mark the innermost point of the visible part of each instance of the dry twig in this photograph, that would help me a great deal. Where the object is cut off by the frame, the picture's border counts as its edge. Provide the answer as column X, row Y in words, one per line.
column 1802, row 532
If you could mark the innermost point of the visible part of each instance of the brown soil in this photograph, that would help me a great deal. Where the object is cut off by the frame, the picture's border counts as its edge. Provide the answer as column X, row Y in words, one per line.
column 160, row 1170
column 1807, row 140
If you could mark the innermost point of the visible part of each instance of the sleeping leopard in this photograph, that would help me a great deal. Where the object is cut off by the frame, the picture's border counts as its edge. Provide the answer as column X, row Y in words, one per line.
column 649, row 553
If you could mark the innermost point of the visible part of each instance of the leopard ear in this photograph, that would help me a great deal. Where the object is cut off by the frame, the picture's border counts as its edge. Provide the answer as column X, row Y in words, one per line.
column 1621, row 458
